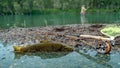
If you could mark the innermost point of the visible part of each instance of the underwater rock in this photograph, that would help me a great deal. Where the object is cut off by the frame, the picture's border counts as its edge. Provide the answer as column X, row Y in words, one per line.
column 43, row 47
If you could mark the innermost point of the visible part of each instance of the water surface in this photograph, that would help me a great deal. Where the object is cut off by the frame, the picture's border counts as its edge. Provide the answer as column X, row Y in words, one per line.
column 7, row 21
column 85, row 58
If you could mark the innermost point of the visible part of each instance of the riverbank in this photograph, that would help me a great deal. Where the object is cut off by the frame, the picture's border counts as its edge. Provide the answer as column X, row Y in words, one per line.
column 26, row 36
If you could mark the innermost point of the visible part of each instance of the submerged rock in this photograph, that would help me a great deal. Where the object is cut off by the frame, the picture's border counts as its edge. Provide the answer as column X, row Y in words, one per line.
column 43, row 47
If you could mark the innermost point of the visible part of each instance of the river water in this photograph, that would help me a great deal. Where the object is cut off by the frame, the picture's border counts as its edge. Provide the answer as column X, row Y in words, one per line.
column 7, row 21
column 85, row 58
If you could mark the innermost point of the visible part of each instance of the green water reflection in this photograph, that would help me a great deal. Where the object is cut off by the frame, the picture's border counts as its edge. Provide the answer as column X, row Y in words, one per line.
column 57, row 19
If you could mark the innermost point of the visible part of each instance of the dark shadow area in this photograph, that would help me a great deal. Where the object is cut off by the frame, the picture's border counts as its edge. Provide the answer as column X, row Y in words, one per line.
column 43, row 55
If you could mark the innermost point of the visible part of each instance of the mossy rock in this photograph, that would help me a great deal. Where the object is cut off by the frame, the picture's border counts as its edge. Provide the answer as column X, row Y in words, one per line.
column 43, row 47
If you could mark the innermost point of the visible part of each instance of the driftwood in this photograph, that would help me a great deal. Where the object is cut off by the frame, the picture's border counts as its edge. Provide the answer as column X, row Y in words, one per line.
column 96, row 37
column 89, row 36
